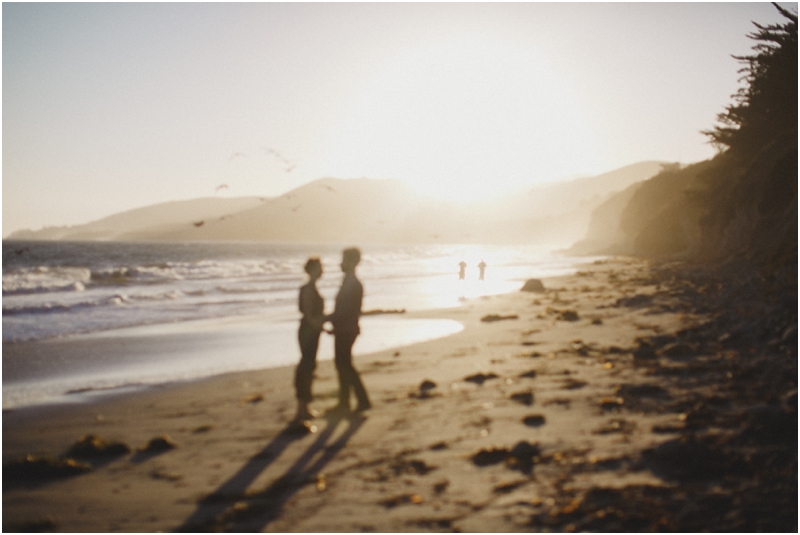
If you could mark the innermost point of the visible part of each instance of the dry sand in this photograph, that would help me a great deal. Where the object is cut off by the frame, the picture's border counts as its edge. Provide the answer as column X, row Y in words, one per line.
column 612, row 402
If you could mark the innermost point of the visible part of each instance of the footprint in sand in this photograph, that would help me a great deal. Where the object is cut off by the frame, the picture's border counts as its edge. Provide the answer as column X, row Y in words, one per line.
column 573, row 384
column 564, row 402
column 526, row 398
column 411, row 467
column 505, row 488
column 568, row 315
column 403, row 499
column 616, row 425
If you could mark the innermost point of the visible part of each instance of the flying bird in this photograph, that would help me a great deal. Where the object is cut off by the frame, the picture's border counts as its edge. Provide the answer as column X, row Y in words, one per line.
column 290, row 165
column 199, row 223
column 221, row 186
column 278, row 155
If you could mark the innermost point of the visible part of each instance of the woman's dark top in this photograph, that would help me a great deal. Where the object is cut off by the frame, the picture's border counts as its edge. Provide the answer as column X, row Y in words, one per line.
column 311, row 306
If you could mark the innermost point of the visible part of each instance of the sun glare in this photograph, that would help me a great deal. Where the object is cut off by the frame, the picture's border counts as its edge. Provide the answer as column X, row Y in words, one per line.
column 463, row 120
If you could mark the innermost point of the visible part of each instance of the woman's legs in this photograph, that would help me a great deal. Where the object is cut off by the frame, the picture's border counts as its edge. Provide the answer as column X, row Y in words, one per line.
column 304, row 374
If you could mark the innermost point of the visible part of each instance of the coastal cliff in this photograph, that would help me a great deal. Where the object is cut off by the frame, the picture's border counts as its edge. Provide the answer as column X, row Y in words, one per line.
column 739, row 205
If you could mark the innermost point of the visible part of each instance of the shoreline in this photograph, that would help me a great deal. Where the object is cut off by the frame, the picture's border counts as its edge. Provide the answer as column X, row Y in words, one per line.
column 243, row 339
column 615, row 401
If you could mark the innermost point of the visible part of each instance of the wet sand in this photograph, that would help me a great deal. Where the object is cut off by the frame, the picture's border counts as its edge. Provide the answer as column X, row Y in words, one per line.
column 628, row 397
column 65, row 370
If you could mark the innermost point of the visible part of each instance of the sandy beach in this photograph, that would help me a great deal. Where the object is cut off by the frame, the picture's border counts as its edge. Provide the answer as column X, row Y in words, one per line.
column 627, row 397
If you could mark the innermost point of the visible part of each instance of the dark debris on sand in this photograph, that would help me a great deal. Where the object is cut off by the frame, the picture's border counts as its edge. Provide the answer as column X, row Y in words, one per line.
column 497, row 317
column 521, row 457
column 525, row 398
column 425, row 391
column 732, row 383
column 33, row 470
column 93, row 447
column 480, row 378
column 90, row 451
column 43, row 525
column 159, row 444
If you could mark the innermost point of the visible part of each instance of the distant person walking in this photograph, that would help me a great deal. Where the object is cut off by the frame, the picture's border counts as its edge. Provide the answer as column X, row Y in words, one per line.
column 312, row 307
column 482, row 268
column 462, row 271
column 345, row 330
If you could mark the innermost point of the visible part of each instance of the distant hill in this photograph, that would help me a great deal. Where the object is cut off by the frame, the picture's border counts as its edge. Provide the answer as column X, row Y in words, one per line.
column 363, row 211
column 562, row 197
column 562, row 210
column 154, row 219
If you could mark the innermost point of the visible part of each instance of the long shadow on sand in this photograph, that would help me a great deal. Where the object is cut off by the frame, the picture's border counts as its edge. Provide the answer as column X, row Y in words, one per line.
column 232, row 508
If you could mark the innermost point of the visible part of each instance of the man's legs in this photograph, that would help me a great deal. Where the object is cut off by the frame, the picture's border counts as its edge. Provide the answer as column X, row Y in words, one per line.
column 348, row 376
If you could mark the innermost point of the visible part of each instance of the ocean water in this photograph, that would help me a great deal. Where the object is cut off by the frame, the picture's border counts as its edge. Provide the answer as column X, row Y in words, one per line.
column 78, row 290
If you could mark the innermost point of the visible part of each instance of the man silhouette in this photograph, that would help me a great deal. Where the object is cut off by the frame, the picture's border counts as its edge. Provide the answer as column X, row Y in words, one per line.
column 345, row 329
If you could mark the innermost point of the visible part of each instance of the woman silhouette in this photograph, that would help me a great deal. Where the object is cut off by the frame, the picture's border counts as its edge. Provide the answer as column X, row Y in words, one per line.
column 312, row 307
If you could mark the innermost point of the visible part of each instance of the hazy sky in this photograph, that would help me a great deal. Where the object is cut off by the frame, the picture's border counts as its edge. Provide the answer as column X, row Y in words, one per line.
column 108, row 107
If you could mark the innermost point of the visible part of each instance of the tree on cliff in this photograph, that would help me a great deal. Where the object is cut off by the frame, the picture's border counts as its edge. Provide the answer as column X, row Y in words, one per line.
column 742, row 203
column 767, row 105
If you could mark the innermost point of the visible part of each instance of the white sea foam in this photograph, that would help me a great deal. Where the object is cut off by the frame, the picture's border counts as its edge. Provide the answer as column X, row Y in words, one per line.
column 107, row 286
column 44, row 279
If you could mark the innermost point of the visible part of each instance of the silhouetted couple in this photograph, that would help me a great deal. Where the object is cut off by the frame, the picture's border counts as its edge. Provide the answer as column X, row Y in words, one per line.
column 345, row 331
